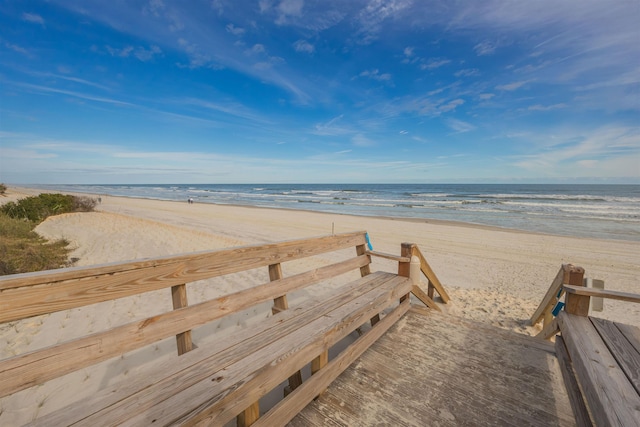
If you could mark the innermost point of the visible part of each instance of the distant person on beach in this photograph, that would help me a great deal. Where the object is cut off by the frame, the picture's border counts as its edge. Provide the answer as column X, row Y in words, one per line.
column 190, row 200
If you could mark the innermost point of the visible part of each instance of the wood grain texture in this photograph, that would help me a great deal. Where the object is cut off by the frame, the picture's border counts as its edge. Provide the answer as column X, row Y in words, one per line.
column 438, row 369
column 431, row 275
column 23, row 296
column 602, row 293
column 287, row 409
column 610, row 396
column 621, row 349
column 424, row 297
column 34, row 368
column 265, row 369
column 198, row 367
column 179, row 298
column 550, row 298
column 578, row 405
column 392, row 257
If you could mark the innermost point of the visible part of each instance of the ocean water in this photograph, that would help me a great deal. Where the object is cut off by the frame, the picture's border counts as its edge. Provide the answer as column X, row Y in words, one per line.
column 599, row 211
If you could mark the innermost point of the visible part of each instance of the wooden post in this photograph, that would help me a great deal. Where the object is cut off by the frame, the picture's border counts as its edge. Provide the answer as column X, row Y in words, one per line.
column 179, row 297
column 319, row 363
column 404, row 268
column 430, row 289
column 597, row 303
column 364, row 271
column 576, row 304
column 249, row 416
column 279, row 304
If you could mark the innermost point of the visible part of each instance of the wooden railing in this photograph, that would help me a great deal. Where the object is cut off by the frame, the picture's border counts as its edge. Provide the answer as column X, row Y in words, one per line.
column 567, row 275
column 408, row 251
column 33, row 294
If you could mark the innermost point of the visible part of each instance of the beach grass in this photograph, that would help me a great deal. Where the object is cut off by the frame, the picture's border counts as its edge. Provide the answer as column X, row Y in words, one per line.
column 22, row 250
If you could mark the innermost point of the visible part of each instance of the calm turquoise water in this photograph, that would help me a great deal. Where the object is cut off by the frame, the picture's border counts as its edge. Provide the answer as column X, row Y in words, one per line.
column 600, row 211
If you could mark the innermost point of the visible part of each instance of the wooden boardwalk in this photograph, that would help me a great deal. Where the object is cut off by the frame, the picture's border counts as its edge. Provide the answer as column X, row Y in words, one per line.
column 437, row 370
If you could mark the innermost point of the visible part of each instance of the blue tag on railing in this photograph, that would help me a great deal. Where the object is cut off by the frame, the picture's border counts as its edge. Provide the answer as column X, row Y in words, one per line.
column 557, row 308
column 366, row 236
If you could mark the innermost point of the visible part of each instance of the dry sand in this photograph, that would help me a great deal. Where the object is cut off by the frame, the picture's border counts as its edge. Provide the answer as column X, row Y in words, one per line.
column 492, row 275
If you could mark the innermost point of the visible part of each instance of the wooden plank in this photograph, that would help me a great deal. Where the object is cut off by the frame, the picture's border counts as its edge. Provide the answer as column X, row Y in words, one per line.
column 602, row 293
column 285, row 410
column 256, row 374
column 48, row 292
column 198, row 365
column 631, row 333
column 320, row 362
column 392, row 257
column 281, row 304
column 500, row 382
column 362, row 250
column 622, row 350
column 611, row 398
column 578, row 406
column 549, row 330
column 36, row 367
column 575, row 303
column 550, row 298
column 424, row 297
column 404, row 268
column 179, row 297
column 431, row 275
column 597, row 303
column 365, row 270
column 249, row 416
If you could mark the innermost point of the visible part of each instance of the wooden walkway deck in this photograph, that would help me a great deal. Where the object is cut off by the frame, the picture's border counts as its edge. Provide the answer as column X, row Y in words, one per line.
column 437, row 370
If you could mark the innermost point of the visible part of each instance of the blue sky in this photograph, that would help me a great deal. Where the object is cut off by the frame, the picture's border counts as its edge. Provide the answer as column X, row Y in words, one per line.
column 218, row 91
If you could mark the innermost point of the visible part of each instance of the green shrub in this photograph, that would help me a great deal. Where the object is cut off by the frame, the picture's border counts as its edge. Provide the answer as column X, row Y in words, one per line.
column 38, row 208
column 3, row 189
column 21, row 249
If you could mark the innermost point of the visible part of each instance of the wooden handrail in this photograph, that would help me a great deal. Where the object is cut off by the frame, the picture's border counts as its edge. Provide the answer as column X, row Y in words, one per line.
column 591, row 292
column 388, row 256
column 431, row 275
column 568, row 274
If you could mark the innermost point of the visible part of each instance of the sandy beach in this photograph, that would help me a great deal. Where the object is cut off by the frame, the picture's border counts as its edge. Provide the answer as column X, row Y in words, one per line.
column 493, row 275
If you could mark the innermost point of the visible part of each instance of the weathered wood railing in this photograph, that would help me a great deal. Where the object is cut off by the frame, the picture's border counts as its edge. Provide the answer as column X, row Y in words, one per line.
column 224, row 379
column 408, row 251
column 569, row 275
column 599, row 359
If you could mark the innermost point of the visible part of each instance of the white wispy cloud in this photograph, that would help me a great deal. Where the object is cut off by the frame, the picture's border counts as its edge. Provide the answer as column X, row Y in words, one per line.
column 287, row 9
column 16, row 48
column 376, row 75
column 236, row 31
column 467, row 72
column 460, row 126
column 80, row 95
column 33, row 18
column 360, row 140
column 539, row 107
column 485, row 48
column 614, row 149
column 434, row 63
column 303, row 46
column 139, row 52
column 333, row 127
column 513, row 86
column 372, row 16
